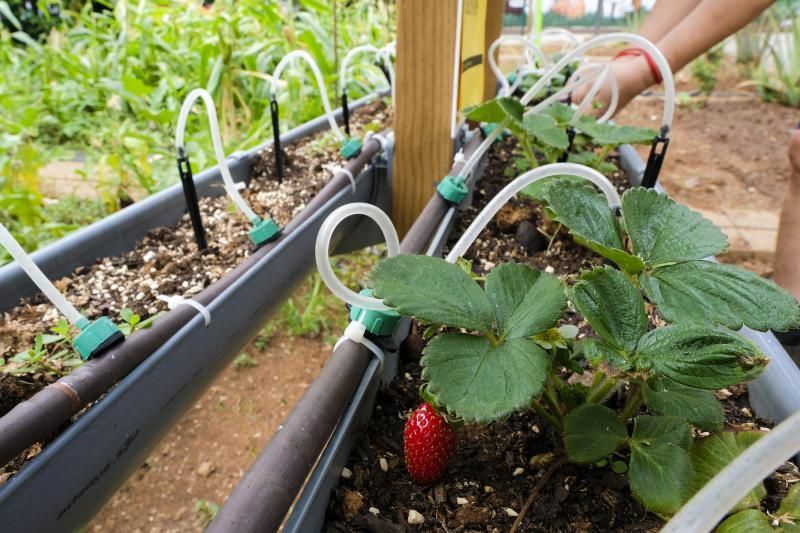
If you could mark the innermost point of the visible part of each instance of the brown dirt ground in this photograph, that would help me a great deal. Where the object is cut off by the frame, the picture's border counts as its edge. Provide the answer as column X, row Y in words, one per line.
column 730, row 152
column 205, row 455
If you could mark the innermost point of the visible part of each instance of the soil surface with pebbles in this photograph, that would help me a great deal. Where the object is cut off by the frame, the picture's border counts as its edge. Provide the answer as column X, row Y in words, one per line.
column 167, row 260
column 497, row 466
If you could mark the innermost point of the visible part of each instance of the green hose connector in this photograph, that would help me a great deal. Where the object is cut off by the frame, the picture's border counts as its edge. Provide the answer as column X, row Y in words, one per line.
column 263, row 231
column 96, row 336
column 350, row 147
column 489, row 127
column 381, row 323
column 452, row 189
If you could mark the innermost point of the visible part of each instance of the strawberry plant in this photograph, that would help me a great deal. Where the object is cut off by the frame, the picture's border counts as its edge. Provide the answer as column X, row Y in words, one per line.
column 428, row 442
column 656, row 350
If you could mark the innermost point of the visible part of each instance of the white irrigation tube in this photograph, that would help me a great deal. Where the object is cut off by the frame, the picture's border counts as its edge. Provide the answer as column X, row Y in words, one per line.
column 726, row 489
column 216, row 140
column 41, row 281
column 570, row 39
column 383, row 56
column 301, row 54
column 456, row 71
column 322, row 246
column 510, row 190
column 605, row 74
column 658, row 57
column 529, row 46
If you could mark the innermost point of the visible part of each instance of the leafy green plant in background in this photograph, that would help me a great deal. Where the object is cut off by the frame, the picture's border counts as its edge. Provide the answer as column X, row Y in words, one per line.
column 778, row 80
column 107, row 87
column 705, row 69
column 495, row 350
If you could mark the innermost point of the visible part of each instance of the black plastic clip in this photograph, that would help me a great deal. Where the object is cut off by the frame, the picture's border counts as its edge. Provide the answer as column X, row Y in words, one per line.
column 571, row 137
column 656, row 158
column 276, row 139
column 382, row 66
column 345, row 113
column 190, row 193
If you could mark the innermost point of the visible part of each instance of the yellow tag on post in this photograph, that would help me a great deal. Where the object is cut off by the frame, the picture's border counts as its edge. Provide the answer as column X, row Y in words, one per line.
column 473, row 35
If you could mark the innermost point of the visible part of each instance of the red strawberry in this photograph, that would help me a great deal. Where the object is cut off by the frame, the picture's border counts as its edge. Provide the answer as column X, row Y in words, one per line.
column 429, row 443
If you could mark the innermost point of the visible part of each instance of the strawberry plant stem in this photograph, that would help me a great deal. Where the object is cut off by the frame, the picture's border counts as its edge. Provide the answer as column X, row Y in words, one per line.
column 553, row 421
column 601, row 388
column 633, row 402
column 535, row 492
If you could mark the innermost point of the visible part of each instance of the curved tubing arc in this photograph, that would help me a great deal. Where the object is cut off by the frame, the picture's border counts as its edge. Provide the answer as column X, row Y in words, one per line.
column 216, row 140
column 383, row 56
column 38, row 277
column 522, row 181
column 605, row 74
column 322, row 246
column 726, row 489
column 506, row 90
column 301, row 54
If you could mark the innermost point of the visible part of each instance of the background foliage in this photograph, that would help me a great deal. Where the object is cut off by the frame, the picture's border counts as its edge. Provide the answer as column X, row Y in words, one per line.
column 103, row 82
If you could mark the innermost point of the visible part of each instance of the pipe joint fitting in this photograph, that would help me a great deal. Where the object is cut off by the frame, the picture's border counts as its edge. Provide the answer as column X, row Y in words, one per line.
column 452, row 189
column 380, row 323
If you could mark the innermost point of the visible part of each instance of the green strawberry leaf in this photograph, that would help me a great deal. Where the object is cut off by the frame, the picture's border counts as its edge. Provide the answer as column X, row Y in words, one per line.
column 525, row 301
column 663, row 231
column 699, row 407
column 591, row 159
column 747, row 521
column 710, row 455
column 659, row 467
column 698, row 356
column 598, row 351
column 481, row 382
column 606, row 134
column 612, row 305
column 561, row 112
column 537, row 189
column 497, row 110
column 433, row 291
column 702, row 291
column 592, row 432
column 789, row 511
column 546, row 130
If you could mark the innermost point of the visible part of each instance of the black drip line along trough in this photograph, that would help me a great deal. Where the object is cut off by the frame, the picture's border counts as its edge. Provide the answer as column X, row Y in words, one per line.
column 146, row 383
column 269, row 496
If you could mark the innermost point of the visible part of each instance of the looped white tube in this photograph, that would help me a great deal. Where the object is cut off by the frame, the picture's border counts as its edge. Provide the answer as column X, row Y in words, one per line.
column 570, row 40
column 216, row 140
column 605, row 74
column 301, row 54
column 726, row 489
column 655, row 53
column 506, row 88
column 382, row 54
column 177, row 300
column 321, row 250
column 37, row 276
column 500, row 199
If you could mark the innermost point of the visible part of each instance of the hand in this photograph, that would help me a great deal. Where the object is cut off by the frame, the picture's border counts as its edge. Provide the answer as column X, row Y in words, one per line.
column 633, row 76
column 794, row 155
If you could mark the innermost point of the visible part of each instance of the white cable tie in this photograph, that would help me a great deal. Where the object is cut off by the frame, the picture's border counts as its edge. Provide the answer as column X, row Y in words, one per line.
column 176, row 301
column 240, row 185
column 459, row 157
column 355, row 332
column 346, row 172
column 378, row 137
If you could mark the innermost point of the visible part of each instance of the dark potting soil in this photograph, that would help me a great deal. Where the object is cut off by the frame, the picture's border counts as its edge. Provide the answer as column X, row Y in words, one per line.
column 167, row 260
column 493, row 472
column 496, row 467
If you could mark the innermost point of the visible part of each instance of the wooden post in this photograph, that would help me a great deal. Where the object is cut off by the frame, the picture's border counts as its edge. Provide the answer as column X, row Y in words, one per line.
column 494, row 27
column 426, row 34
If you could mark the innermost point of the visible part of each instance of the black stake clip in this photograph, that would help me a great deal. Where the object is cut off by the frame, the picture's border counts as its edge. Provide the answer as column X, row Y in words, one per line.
column 276, row 139
column 190, row 193
column 345, row 113
column 571, row 137
column 656, row 158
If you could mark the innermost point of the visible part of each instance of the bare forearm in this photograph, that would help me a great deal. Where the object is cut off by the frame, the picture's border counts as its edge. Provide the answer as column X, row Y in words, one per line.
column 709, row 23
column 665, row 15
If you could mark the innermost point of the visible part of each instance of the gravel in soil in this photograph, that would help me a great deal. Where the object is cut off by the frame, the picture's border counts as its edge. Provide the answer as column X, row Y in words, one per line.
column 167, row 260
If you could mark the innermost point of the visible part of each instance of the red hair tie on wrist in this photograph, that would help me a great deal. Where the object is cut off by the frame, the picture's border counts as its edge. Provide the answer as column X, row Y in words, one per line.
column 635, row 52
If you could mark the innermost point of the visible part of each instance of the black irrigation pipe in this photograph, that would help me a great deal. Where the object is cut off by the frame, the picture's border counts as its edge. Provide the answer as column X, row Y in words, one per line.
column 265, row 494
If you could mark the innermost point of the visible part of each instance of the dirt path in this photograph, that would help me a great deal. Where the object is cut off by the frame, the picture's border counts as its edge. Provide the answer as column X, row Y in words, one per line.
column 202, row 458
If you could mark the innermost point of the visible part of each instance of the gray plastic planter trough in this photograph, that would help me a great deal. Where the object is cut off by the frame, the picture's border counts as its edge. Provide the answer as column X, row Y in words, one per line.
column 72, row 478
column 774, row 396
